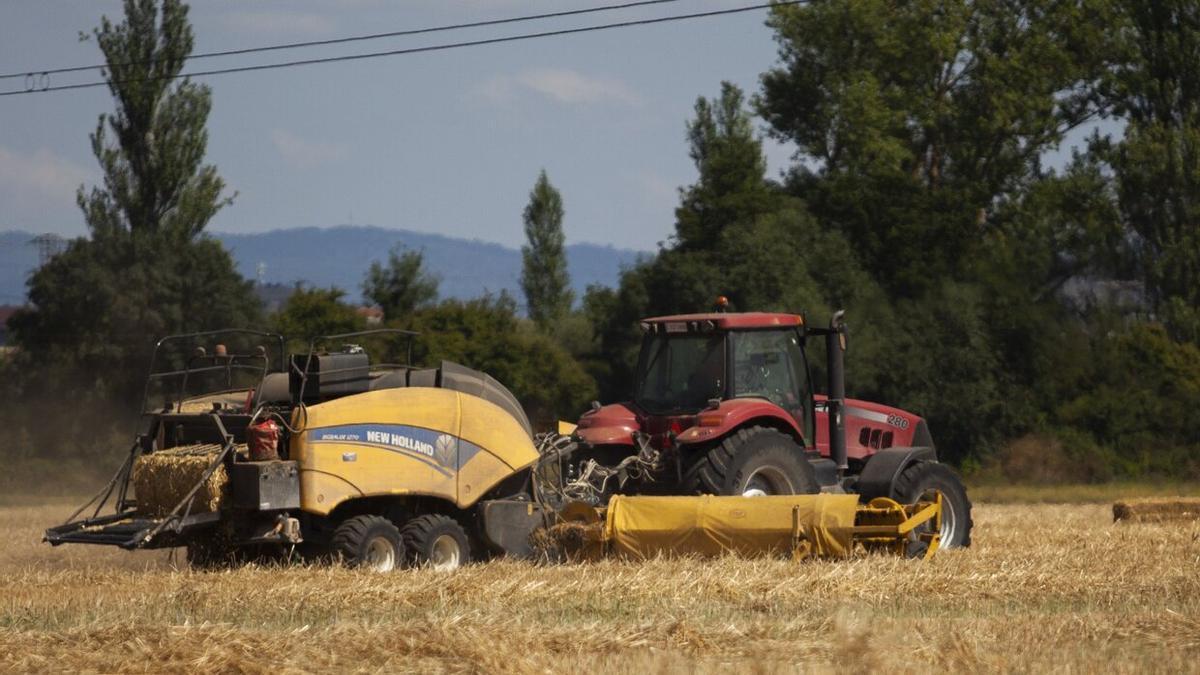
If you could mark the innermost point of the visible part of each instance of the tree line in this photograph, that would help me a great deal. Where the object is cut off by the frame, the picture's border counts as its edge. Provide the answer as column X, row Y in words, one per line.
column 1043, row 318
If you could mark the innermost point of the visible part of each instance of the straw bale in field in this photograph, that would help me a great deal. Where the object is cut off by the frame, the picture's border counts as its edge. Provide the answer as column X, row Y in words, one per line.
column 1157, row 509
column 161, row 479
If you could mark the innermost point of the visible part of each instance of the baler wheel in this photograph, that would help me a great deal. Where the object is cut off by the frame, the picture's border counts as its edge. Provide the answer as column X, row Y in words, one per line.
column 369, row 542
column 436, row 541
column 919, row 477
column 752, row 461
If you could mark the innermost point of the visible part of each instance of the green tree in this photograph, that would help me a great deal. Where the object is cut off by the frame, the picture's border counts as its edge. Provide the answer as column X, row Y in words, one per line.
column 155, row 181
column 544, row 278
column 915, row 120
column 729, row 158
column 310, row 312
column 403, row 285
column 147, row 269
column 485, row 333
column 1156, row 90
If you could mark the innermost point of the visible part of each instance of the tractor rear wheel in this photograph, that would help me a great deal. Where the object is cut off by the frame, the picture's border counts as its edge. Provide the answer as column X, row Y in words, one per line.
column 436, row 541
column 753, row 461
column 369, row 542
column 956, row 507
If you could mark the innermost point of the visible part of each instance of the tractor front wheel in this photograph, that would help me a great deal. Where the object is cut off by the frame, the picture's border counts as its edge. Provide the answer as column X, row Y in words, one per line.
column 754, row 461
column 919, row 477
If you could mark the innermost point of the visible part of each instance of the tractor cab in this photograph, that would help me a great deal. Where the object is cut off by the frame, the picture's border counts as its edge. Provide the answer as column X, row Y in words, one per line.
column 692, row 363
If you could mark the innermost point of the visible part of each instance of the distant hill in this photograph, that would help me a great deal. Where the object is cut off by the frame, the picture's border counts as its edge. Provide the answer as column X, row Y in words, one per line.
column 339, row 256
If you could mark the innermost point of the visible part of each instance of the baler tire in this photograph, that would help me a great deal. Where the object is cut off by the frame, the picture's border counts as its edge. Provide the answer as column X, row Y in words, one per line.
column 436, row 541
column 726, row 467
column 364, row 541
column 924, row 475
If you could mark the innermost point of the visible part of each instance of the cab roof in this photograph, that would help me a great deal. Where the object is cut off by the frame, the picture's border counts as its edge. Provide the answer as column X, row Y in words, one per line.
column 731, row 320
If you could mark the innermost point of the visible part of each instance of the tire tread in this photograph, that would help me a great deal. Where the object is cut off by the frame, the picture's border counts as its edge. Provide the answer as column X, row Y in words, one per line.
column 416, row 535
column 906, row 485
column 708, row 473
column 349, row 536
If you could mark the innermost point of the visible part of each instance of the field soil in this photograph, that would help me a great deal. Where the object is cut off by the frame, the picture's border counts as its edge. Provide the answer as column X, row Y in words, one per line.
column 1046, row 587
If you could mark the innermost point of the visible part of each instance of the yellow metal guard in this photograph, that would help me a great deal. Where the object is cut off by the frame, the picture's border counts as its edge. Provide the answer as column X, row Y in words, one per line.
column 804, row 526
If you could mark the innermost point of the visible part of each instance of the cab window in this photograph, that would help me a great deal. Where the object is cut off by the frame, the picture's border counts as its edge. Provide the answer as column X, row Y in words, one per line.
column 770, row 364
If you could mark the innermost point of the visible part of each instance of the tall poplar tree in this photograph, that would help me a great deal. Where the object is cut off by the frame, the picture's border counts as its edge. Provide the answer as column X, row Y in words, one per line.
column 147, row 269
column 544, row 278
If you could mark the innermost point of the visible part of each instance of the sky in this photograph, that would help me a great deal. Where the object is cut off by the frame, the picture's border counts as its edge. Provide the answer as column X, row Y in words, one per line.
column 447, row 142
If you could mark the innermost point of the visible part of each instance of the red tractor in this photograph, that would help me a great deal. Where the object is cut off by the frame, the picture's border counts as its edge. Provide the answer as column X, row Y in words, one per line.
column 724, row 404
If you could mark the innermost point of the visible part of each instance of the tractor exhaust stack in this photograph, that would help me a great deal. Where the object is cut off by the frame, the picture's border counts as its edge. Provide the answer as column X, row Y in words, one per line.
column 835, row 348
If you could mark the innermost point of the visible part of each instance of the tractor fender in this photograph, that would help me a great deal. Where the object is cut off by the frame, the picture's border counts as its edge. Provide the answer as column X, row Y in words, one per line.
column 612, row 424
column 737, row 413
column 878, row 477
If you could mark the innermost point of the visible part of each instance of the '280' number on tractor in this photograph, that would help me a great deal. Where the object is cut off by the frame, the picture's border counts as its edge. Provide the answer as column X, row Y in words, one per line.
column 898, row 421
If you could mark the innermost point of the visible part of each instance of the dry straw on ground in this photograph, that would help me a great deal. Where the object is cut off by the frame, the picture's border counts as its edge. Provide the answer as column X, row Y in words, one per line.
column 570, row 541
column 162, row 479
column 1157, row 509
column 1045, row 588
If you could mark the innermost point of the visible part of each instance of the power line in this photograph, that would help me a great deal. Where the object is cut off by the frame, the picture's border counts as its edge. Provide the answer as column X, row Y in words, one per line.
column 418, row 50
column 353, row 38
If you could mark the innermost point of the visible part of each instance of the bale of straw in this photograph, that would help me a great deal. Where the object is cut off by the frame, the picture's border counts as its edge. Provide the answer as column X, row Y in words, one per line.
column 162, row 479
column 1157, row 509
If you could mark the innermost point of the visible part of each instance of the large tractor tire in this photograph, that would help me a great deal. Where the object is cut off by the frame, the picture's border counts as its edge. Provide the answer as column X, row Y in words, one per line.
column 956, row 507
column 368, row 542
column 752, row 461
column 436, row 541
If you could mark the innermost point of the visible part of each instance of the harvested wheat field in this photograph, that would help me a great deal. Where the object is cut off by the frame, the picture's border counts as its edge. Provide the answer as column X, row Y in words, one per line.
column 1046, row 587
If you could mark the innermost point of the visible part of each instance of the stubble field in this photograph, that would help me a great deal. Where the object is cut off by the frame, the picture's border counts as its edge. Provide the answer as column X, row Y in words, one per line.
column 1046, row 587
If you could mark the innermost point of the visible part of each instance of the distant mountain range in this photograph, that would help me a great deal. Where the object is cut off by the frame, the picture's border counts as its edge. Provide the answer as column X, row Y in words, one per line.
column 339, row 256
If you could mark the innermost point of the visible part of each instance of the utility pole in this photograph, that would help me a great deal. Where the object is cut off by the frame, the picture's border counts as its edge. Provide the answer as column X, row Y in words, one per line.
column 48, row 246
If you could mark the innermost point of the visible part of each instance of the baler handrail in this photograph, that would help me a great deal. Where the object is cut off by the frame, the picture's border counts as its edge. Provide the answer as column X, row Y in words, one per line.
column 205, row 369
column 228, row 367
column 224, row 331
column 221, row 331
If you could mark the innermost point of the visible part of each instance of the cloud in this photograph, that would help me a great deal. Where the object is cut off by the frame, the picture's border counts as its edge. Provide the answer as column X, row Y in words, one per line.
column 306, row 154
column 278, row 22
column 41, row 172
column 560, row 85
